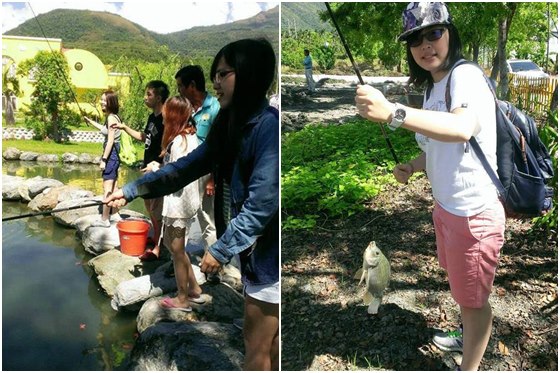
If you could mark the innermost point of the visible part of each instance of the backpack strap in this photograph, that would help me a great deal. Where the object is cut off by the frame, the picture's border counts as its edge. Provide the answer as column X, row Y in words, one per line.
column 472, row 141
column 480, row 154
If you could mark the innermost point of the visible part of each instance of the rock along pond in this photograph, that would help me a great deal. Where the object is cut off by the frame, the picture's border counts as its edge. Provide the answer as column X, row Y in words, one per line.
column 54, row 315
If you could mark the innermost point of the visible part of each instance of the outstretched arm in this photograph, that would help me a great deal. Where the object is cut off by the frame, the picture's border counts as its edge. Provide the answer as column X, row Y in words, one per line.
column 458, row 126
column 140, row 136
column 94, row 123
column 171, row 177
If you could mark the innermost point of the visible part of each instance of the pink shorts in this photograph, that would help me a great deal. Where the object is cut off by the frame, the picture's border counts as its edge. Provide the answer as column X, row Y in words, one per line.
column 468, row 249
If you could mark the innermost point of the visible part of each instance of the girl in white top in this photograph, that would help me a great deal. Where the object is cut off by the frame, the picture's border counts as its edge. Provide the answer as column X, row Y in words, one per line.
column 469, row 220
column 179, row 208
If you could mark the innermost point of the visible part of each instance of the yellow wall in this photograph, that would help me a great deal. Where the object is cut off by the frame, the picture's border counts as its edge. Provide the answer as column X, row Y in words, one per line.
column 87, row 72
column 21, row 48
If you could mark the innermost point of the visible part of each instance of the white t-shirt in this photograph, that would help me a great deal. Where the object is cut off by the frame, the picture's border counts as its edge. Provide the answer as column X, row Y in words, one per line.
column 459, row 182
column 184, row 203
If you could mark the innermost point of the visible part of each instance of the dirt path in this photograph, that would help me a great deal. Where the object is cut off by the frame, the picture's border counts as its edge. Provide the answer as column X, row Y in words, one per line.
column 332, row 102
column 325, row 326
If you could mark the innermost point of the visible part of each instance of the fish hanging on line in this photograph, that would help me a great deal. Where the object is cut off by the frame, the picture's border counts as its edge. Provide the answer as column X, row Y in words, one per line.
column 376, row 272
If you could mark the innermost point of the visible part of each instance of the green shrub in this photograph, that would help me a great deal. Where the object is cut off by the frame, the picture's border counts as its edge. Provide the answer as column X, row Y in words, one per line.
column 549, row 136
column 332, row 170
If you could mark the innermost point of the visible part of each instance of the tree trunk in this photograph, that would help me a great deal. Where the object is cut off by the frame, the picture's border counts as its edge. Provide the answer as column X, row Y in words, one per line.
column 56, row 132
column 475, row 52
column 501, row 55
column 501, row 58
column 10, row 117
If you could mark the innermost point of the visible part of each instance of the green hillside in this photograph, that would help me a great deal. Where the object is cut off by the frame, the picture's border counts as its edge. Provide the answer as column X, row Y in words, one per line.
column 208, row 40
column 105, row 34
column 303, row 16
column 110, row 36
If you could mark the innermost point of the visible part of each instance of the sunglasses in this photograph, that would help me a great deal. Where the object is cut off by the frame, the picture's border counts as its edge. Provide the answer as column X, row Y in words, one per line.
column 416, row 39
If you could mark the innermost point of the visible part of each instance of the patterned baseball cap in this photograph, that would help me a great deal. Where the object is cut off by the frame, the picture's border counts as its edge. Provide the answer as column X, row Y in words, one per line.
column 421, row 15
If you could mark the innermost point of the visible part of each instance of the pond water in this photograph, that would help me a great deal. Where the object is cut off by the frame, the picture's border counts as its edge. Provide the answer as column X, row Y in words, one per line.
column 54, row 314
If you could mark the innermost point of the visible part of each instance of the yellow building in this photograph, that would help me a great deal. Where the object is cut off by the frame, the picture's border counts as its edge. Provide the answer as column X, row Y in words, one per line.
column 87, row 72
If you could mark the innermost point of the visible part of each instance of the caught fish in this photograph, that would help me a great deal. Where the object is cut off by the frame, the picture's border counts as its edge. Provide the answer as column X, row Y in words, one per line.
column 375, row 271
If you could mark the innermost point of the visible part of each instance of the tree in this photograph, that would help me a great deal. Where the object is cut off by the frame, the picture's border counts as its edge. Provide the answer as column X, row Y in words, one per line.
column 370, row 29
column 49, row 112
column 506, row 12
column 133, row 111
column 476, row 23
column 10, row 88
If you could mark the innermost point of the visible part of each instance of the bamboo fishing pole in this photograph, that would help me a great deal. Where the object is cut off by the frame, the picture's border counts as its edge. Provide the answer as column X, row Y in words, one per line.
column 357, row 70
column 47, row 212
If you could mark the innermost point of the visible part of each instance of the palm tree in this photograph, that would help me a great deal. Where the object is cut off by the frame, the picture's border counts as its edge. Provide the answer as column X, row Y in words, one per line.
column 10, row 88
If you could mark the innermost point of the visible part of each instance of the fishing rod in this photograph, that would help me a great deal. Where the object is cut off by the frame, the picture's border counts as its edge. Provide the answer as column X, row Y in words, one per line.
column 357, row 70
column 98, row 203
column 82, row 114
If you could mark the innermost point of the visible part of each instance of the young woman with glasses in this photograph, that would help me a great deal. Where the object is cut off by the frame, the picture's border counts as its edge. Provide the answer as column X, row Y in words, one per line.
column 242, row 150
column 469, row 219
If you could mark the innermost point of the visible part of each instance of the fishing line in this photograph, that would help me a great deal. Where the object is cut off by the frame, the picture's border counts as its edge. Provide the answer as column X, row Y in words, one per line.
column 57, row 64
column 98, row 203
column 357, row 70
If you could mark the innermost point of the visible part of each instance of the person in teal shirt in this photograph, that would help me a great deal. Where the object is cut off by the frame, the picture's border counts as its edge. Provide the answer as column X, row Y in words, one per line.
column 192, row 86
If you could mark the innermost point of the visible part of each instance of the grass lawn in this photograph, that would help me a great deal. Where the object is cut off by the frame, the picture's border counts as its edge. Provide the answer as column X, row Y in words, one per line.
column 51, row 147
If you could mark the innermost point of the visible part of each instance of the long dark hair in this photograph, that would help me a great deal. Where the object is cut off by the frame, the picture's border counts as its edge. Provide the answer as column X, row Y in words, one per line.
column 254, row 63
column 418, row 75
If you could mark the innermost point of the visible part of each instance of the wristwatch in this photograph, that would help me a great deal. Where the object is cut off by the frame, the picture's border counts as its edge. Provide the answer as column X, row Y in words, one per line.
column 398, row 117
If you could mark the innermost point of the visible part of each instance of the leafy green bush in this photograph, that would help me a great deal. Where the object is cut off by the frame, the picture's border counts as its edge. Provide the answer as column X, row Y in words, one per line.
column 333, row 170
column 549, row 136
column 325, row 57
column 133, row 110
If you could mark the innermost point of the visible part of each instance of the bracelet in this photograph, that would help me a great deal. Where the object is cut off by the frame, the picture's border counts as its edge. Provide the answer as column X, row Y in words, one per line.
column 104, row 160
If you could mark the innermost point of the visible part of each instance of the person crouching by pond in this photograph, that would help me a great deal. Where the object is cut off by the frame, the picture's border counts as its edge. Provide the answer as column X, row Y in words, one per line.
column 110, row 161
column 179, row 208
column 242, row 149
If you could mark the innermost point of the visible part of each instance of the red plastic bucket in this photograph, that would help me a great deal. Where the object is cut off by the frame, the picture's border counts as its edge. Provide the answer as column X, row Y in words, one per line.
column 133, row 235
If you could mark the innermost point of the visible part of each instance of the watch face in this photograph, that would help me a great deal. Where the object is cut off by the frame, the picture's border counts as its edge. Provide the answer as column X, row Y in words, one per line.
column 400, row 114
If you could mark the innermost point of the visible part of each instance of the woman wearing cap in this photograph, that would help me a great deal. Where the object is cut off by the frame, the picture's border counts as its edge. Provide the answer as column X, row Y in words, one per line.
column 469, row 219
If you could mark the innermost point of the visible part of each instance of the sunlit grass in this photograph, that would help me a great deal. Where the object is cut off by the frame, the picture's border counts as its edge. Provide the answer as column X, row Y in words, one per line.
column 51, row 147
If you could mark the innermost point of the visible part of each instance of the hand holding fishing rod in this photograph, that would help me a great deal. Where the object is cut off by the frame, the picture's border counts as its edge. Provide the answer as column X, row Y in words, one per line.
column 116, row 199
column 373, row 105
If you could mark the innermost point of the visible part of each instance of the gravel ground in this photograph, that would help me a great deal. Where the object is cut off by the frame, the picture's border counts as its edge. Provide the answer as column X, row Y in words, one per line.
column 325, row 325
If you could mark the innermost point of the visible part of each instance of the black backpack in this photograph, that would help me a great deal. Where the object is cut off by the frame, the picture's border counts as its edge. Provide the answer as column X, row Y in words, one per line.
column 524, row 163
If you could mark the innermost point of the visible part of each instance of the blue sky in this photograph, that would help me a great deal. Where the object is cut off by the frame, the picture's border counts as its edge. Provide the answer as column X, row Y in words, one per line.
column 161, row 16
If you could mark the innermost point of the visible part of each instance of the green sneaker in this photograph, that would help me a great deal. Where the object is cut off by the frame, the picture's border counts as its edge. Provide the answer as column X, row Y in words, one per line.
column 449, row 341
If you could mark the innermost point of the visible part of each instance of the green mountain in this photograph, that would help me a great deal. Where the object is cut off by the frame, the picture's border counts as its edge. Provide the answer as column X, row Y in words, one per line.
column 110, row 36
column 208, row 40
column 304, row 16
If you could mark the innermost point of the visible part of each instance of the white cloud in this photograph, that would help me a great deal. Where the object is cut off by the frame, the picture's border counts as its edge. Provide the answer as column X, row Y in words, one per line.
column 161, row 16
